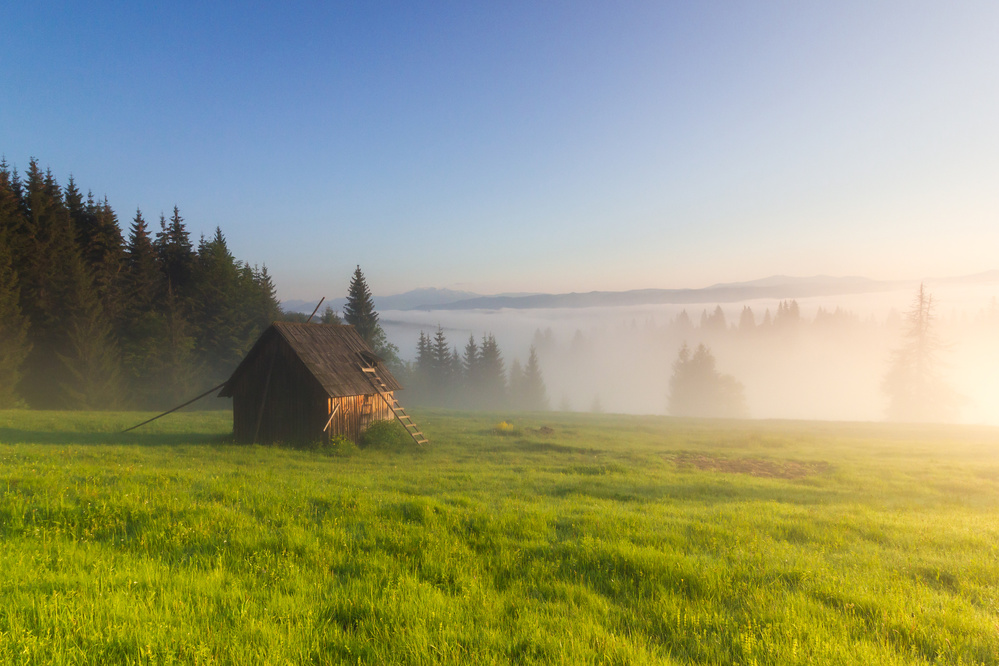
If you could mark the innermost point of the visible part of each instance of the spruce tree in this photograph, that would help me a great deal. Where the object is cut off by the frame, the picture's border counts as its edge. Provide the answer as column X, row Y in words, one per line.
column 91, row 356
column 457, row 380
column 535, row 396
column 330, row 316
column 173, row 245
column 419, row 372
column 696, row 388
column 143, row 281
column 440, row 368
column 76, row 208
column 142, row 324
column 12, row 212
column 14, row 344
column 470, row 362
column 424, row 360
column 104, row 253
column 359, row 310
column 222, row 327
column 515, row 386
column 266, row 309
column 50, row 285
column 174, row 364
column 788, row 314
column 441, row 352
column 914, row 385
column 492, row 376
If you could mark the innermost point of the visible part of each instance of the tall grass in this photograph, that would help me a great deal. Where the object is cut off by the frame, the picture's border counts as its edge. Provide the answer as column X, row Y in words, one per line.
column 555, row 539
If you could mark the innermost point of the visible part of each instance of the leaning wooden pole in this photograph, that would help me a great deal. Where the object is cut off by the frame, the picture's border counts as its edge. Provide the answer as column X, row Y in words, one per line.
column 216, row 388
column 316, row 310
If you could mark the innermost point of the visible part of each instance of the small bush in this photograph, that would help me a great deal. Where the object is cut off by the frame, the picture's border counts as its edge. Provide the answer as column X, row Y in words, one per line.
column 341, row 446
column 504, row 428
column 387, row 435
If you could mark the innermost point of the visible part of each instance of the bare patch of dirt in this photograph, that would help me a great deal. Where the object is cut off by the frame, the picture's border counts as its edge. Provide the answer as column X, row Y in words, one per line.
column 762, row 467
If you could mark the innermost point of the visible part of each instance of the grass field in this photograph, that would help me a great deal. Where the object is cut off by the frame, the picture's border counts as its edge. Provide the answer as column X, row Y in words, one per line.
column 557, row 538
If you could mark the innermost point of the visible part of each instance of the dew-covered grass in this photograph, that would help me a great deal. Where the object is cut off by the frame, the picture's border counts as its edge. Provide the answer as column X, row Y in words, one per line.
column 549, row 538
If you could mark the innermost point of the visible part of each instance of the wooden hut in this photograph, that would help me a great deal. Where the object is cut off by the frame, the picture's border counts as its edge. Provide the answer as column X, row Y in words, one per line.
column 309, row 382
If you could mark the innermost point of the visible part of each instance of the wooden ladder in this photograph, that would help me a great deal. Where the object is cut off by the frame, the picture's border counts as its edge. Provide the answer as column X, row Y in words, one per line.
column 394, row 405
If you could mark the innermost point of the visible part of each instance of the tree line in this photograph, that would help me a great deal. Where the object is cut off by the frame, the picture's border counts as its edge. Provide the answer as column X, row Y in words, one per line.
column 93, row 319
column 475, row 378
column 913, row 384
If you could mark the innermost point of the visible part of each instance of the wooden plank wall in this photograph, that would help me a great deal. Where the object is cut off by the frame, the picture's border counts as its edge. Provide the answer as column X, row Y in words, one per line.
column 350, row 420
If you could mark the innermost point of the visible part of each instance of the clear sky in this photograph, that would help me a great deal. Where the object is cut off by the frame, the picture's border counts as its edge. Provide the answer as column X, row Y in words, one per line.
column 527, row 146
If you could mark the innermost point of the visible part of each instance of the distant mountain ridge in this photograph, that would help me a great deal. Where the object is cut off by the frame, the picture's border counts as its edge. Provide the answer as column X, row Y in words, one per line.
column 409, row 300
column 775, row 286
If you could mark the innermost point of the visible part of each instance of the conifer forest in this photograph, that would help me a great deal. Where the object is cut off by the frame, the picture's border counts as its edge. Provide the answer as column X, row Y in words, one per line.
column 94, row 318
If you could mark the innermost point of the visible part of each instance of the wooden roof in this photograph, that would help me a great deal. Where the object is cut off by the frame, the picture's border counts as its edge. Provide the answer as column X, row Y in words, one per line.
column 332, row 353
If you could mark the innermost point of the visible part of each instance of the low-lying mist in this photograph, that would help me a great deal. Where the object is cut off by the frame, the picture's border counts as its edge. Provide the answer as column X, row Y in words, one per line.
column 825, row 361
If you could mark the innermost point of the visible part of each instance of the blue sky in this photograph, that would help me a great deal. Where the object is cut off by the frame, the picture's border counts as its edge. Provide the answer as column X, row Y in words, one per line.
column 556, row 146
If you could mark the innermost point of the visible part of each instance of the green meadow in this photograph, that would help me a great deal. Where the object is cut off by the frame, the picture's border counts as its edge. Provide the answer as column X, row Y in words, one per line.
column 547, row 538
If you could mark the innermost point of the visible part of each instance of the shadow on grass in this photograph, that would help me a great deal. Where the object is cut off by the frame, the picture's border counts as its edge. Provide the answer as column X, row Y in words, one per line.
column 530, row 446
column 709, row 492
column 22, row 436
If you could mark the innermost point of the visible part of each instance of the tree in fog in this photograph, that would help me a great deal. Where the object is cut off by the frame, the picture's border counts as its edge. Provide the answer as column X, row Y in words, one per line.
column 490, row 386
column 788, row 314
column 698, row 389
column 14, row 344
column 108, row 321
column 441, row 378
column 916, row 391
column 92, row 357
column 714, row 321
column 682, row 324
column 515, row 384
column 222, row 309
column 534, row 396
column 329, row 316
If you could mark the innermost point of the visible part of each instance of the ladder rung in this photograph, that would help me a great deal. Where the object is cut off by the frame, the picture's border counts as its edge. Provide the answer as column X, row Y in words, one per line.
column 405, row 419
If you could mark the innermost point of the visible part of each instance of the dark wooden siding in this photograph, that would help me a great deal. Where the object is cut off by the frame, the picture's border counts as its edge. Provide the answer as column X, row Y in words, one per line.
column 278, row 392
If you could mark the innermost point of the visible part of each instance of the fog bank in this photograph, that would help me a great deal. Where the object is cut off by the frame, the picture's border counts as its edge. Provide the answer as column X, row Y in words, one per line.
column 828, row 362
